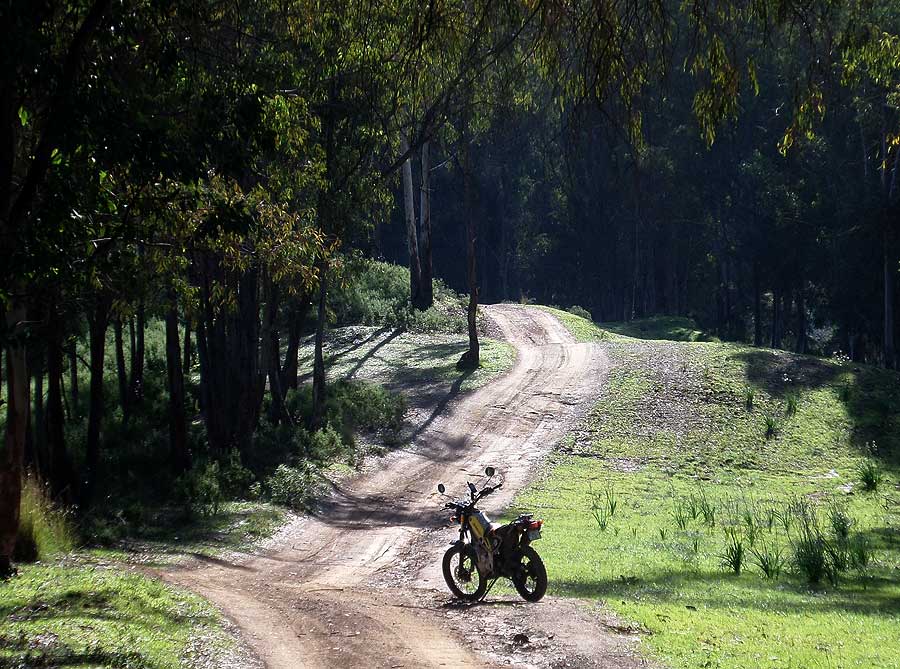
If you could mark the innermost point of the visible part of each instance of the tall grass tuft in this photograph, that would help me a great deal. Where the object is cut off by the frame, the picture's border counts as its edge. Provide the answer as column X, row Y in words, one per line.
column 790, row 407
column 769, row 559
column 771, row 426
column 749, row 397
column 870, row 474
column 44, row 529
column 734, row 554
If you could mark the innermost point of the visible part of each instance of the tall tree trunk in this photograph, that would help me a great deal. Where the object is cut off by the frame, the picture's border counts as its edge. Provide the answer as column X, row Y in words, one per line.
column 802, row 341
column 317, row 419
column 289, row 371
column 186, row 365
column 415, row 268
column 60, row 475
column 426, row 285
column 72, row 352
column 471, row 359
column 757, row 307
column 121, row 372
column 271, row 350
column 890, row 271
column 37, row 461
column 137, row 357
column 180, row 456
column 13, row 453
column 99, row 322
column 776, row 320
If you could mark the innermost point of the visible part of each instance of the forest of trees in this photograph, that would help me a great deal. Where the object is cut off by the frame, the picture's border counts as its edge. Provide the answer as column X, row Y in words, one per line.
column 211, row 164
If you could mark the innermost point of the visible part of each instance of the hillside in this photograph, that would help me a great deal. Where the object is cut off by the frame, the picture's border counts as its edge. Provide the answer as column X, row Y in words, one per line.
column 704, row 465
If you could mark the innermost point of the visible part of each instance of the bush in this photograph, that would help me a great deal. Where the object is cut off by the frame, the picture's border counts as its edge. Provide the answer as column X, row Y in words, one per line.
column 199, row 489
column 293, row 487
column 581, row 311
column 44, row 529
column 870, row 474
column 378, row 294
column 349, row 406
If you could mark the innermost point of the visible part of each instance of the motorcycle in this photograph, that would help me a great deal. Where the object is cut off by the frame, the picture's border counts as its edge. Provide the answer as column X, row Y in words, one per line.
column 486, row 551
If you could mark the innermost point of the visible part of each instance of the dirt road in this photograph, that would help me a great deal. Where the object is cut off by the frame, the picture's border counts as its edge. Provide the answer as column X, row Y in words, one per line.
column 358, row 584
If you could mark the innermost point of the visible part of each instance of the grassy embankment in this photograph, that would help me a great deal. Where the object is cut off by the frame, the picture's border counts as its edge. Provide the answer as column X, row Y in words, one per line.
column 704, row 459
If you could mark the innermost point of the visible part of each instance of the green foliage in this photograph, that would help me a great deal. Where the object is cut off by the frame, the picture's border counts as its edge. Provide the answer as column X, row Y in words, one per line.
column 581, row 312
column 293, row 487
column 377, row 293
column 44, row 530
column 749, row 397
column 199, row 489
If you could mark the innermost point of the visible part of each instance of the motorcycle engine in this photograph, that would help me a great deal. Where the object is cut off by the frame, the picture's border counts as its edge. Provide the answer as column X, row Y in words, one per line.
column 485, row 560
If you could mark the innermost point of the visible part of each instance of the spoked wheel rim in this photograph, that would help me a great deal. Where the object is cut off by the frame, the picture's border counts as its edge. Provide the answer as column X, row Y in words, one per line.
column 528, row 574
column 464, row 572
column 531, row 576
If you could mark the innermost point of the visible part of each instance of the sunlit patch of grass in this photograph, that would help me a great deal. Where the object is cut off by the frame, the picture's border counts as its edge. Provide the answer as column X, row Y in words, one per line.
column 701, row 490
column 87, row 616
column 401, row 360
column 581, row 328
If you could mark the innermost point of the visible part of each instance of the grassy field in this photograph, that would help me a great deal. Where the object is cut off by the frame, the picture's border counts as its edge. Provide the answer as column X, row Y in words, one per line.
column 83, row 615
column 701, row 460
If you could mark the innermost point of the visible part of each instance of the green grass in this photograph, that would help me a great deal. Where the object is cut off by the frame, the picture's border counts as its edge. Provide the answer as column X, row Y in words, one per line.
column 673, row 424
column 88, row 616
column 671, row 328
column 581, row 328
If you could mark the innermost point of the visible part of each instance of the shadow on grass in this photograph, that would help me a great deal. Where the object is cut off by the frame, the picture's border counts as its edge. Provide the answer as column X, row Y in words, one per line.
column 671, row 328
column 871, row 395
column 869, row 595
column 371, row 352
column 24, row 655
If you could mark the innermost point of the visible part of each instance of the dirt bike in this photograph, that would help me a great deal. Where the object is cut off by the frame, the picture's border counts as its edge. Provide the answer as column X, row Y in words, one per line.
column 485, row 551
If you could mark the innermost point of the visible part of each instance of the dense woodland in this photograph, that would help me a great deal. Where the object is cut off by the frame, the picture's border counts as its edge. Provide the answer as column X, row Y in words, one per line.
column 212, row 171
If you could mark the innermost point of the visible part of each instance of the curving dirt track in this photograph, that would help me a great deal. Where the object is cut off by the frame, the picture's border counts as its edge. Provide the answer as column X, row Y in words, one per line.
column 358, row 583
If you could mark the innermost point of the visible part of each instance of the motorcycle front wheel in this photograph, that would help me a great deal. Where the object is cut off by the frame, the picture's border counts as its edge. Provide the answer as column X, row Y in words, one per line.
column 530, row 577
column 462, row 573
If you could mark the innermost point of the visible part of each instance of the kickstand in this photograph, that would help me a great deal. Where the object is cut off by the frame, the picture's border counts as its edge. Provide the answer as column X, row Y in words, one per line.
column 488, row 589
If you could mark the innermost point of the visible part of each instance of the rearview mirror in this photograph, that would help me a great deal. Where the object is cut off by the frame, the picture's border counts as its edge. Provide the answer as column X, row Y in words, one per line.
column 489, row 472
column 441, row 488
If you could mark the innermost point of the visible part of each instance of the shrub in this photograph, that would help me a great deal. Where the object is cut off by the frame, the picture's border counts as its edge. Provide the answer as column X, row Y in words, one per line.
column 749, row 397
column 769, row 559
column 734, row 553
column 44, row 529
column 790, row 407
column 580, row 311
column 293, row 487
column 771, row 426
column 811, row 556
column 869, row 474
column 199, row 489
column 859, row 551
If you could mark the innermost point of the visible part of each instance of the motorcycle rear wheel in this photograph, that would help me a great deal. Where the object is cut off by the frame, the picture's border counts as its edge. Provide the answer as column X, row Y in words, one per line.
column 462, row 574
column 530, row 577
